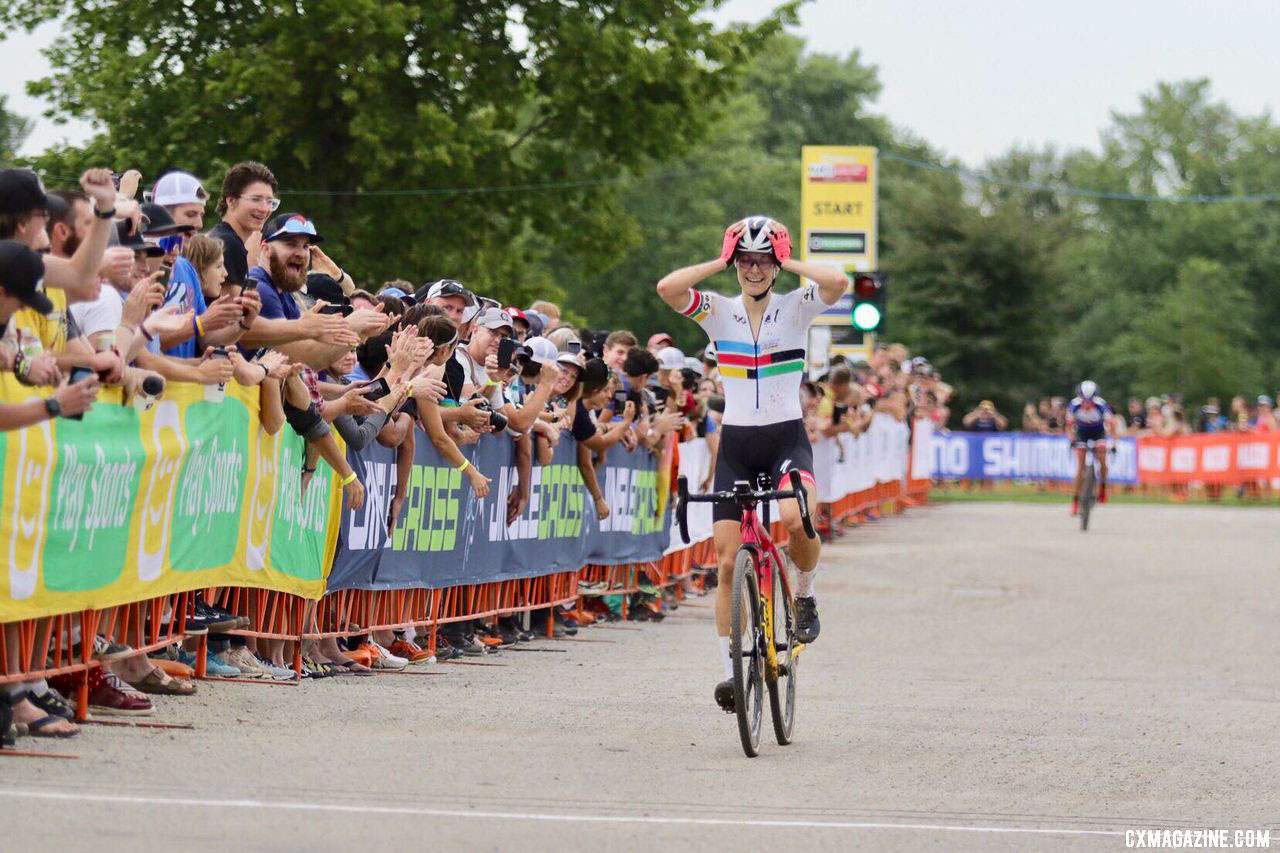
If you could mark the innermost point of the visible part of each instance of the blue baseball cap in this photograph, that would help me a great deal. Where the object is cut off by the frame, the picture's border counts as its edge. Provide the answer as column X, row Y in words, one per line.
column 291, row 225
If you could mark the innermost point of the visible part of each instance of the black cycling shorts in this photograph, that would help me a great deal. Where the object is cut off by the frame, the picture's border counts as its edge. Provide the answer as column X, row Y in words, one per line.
column 746, row 451
column 1092, row 432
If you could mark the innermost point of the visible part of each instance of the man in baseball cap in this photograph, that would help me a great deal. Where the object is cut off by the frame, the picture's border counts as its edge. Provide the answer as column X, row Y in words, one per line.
column 659, row 341
column 21, row 272
column 183, row 196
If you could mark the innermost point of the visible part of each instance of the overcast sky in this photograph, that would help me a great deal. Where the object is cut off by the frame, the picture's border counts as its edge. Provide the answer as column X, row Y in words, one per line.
column 975, row 77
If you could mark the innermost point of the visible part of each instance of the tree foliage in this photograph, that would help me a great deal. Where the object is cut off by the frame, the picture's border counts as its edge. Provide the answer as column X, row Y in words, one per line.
column 372, row 96
column 14, row 130
column 615, row 139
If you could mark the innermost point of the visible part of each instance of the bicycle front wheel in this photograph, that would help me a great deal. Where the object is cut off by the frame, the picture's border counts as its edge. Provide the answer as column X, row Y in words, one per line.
column 746, row 636
column 782, row 691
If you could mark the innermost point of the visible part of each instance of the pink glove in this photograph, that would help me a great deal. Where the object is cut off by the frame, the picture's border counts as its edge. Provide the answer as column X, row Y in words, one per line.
column 781, row 241
column 729, row 246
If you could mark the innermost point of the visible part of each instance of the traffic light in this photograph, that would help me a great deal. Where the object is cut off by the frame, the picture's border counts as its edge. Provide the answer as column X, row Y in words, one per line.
column 868, row 301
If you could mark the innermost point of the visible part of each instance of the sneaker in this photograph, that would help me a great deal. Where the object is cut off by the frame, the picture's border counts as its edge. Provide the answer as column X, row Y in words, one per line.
column 245, row 660
column 277, row 673
column 807, row 625
column 110, row 698
column 724, row 696
column 383, row 659
column 411, row 651
column 213, row 611
column 466, row 645
column 204, row 616
column 105, row 650
column 445, row 650
column 214, row 666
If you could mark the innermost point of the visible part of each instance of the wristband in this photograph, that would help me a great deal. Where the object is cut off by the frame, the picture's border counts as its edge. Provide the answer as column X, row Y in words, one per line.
column 307, row 470
column 131, row 329
column 466, row 463
column 150, row 337
column 104, row 214
column 198, row 325
column 266, row 374
column 349, row 479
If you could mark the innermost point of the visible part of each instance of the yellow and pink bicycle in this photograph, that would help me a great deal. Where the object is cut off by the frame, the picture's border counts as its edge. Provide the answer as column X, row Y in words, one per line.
column 762, row 639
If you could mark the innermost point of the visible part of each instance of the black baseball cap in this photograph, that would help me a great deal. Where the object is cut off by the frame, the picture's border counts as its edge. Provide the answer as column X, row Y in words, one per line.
column 160, row 221
column 21, row 191
column 21, row 271
column 323, row 287
column 134, row 240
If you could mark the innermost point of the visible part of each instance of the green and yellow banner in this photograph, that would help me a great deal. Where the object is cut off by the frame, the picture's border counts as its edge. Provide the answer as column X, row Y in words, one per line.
column 127, row 505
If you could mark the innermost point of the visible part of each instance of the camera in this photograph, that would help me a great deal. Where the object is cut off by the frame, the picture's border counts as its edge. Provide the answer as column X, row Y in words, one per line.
column 497, row 420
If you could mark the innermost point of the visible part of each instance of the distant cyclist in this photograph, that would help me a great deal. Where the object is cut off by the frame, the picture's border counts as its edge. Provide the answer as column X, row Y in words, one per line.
column 1089, row 419
column 759, row 338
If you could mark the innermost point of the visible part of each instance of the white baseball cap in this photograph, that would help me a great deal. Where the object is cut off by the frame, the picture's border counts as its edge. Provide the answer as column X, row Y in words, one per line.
column 670, row 358
column 541, row 350
column 496, row 318
column 178, row 188
column 693, row 364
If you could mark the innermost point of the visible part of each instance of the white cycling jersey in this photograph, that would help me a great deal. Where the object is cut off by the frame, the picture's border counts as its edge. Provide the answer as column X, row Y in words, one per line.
column 761, row 374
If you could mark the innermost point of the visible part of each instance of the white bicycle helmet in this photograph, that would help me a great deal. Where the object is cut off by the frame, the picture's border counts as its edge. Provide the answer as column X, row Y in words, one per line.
column 1087, row 390
column 755, row 236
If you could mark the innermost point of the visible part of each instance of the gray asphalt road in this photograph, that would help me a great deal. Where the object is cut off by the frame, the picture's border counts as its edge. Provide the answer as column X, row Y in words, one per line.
column 987, row 678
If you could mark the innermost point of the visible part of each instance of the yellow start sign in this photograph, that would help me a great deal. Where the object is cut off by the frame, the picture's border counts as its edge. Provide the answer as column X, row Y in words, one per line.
column 838, row 228
column 838, row 205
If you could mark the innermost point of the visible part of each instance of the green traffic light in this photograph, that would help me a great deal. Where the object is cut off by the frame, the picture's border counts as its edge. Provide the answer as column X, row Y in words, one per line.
column 866, row 317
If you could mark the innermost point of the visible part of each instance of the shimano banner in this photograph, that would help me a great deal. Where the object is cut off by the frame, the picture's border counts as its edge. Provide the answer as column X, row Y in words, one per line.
column 1022, row 456
column 446, row 537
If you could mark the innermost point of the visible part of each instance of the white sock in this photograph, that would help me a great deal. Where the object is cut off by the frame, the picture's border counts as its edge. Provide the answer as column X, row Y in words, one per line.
column 725, row 657
column 804, row 584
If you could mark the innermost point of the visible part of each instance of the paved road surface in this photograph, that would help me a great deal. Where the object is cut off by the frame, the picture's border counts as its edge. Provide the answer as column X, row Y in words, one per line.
column 988, row 678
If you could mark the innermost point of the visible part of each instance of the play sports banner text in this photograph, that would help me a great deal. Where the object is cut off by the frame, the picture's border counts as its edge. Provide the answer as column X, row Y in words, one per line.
column 123, row 506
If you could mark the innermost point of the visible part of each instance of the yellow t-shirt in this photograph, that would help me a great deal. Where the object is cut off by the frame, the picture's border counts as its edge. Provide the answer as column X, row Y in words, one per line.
column 28, row 326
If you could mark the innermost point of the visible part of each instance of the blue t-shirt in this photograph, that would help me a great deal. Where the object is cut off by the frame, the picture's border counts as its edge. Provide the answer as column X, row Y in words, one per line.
column 276, row 305
column 184, row 291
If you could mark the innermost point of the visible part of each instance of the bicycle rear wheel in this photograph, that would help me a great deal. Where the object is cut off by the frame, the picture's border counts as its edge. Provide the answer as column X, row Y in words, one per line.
column 1086, row 495
column 782, row 692
column 746, row 634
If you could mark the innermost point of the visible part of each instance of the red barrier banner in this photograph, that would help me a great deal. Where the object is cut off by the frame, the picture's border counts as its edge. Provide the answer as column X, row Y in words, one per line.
column 1221, row 457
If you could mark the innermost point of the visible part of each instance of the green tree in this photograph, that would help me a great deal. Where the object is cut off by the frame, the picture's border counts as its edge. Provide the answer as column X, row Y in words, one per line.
column 1196, row 336
column 552, row 99
column 14, row 130
column 749, row 163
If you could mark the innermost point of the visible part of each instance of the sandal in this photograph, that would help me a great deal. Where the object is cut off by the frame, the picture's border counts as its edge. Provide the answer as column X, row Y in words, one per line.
column 160, row 682
column 351, row 667
column 52, row 703
column 36, row 728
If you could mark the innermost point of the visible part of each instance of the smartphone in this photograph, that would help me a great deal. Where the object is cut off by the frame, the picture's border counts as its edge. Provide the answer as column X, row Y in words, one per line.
column 506, row 349
column 77, row 374
column 619, row 401
column 377, row 389
column 344, row 310
column 574, row 347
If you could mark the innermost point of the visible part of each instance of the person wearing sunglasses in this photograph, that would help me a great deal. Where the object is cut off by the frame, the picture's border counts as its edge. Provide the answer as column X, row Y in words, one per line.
column 760, row 340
